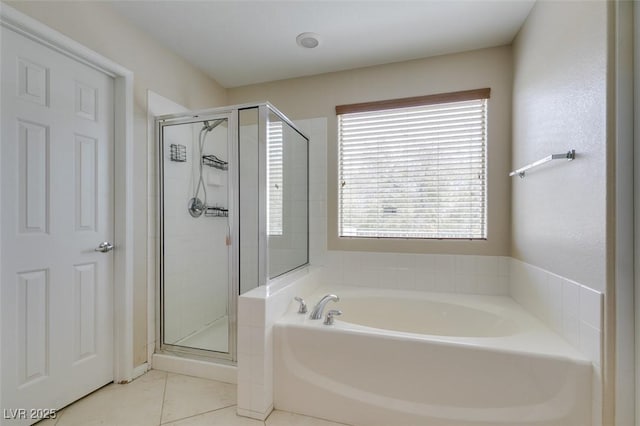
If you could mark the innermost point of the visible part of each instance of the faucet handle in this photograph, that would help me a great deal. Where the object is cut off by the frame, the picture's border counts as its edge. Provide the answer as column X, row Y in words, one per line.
column 329, row 319
column 303, row 306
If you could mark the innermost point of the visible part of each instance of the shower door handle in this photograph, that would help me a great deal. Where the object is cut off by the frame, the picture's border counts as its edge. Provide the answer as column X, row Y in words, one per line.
column 104, row 247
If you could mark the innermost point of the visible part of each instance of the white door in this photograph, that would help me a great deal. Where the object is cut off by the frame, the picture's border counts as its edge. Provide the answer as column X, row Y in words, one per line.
column 56, row 207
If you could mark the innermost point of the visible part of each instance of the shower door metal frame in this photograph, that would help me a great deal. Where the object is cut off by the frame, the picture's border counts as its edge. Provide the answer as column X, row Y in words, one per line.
column 264, row 109
column 230, row 114
column 264, row 275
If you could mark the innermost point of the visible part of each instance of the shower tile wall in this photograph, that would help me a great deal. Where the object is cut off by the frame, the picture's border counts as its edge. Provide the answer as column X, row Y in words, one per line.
column 316, row 129
column 287, row 249
column 249, row 244
column 196, row 267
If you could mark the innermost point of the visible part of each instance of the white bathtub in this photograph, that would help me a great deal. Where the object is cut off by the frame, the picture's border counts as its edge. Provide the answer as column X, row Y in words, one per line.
column 414, row 358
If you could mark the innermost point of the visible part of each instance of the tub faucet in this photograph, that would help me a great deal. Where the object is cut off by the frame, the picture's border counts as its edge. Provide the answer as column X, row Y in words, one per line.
column 316, row 313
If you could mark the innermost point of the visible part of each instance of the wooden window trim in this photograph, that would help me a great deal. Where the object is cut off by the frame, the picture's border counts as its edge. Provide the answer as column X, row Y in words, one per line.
column 440, row 98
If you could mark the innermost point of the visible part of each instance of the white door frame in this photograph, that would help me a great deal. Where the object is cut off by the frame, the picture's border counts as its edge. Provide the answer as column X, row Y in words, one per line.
column 636, row 136
column 622, row 294
column 123, row 175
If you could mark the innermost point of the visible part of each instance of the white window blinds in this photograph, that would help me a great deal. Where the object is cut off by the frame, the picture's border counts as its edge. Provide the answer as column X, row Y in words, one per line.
column 414, row 172
column 274, row 178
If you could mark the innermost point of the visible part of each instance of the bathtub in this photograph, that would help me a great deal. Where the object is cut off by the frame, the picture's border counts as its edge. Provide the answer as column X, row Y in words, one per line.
column 416, row 358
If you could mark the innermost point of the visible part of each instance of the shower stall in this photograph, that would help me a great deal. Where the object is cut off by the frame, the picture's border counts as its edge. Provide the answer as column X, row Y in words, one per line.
column 233, row 213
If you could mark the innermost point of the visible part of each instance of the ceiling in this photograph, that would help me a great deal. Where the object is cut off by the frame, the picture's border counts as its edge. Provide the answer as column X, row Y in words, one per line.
column 244, row 42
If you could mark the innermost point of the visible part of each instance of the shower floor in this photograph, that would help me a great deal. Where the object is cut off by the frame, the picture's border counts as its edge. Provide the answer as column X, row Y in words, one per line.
column 213, row 337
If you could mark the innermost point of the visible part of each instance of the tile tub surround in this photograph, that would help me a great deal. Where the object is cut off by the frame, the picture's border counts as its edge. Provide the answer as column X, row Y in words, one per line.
column 468, row 274
column 570, row 309
column 258, row 310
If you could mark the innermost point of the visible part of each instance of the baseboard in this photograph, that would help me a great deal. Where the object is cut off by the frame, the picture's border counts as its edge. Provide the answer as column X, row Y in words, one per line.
column 140, row 370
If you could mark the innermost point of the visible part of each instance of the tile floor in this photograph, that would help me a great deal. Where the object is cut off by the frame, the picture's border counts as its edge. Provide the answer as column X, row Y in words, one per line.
column 160, row 398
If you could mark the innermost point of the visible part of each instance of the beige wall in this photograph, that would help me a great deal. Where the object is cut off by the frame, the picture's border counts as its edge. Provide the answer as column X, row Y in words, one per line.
column 99, row 27
column 317, row 96
column 559, row 103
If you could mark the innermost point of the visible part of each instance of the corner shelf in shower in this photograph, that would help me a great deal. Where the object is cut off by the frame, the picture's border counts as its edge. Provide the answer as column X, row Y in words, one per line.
column 213, row 161
column 214, row 211
column 178, row 153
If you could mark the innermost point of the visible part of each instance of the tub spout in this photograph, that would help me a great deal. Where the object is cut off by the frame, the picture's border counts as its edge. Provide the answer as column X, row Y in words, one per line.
column 316, row 313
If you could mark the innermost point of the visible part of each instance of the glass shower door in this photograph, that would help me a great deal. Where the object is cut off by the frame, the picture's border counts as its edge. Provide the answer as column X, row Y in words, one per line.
column 195, row 234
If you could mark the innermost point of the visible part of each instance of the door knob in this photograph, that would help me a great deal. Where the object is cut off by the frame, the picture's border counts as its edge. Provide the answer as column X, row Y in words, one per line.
column 104, row 247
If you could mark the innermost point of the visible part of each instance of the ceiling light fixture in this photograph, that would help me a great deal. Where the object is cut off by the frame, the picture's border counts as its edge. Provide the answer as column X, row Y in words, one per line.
column 308, row 40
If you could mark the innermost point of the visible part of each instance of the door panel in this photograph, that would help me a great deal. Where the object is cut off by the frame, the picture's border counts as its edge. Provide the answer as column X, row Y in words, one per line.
column 33, row 178
column 84, row 309
column 56, row 170
column 33, row 346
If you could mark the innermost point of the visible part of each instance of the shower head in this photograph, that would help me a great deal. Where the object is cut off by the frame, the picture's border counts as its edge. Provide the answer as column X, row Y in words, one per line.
column 209, row 126
column 196, row 207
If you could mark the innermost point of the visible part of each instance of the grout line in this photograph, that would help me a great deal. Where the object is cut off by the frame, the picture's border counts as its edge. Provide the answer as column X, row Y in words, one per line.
column 197, row 414
column 164, row 393
column 304, row 415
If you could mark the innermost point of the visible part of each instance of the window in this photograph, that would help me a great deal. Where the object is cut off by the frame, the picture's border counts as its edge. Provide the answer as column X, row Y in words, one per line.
column 414, row 167
column 274, row 178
